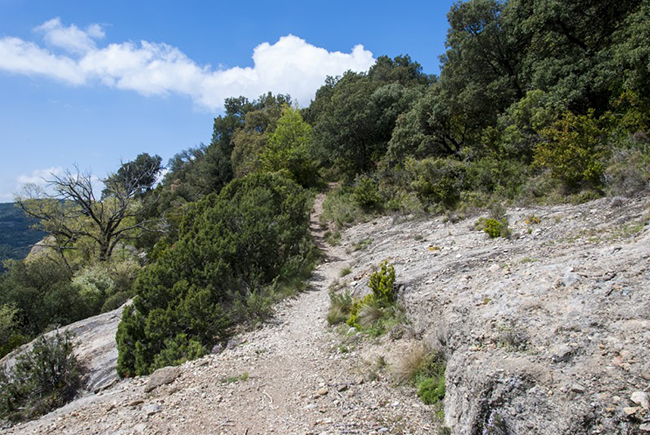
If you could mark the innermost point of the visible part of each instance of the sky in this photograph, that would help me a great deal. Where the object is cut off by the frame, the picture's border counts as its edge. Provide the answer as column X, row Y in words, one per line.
column 92, row 84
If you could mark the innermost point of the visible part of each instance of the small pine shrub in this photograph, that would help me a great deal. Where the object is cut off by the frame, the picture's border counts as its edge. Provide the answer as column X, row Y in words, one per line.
column 382, row 284
column 493, row 227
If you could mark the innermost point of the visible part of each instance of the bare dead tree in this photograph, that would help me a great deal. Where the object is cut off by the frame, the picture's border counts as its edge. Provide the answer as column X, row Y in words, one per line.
column 74, row 212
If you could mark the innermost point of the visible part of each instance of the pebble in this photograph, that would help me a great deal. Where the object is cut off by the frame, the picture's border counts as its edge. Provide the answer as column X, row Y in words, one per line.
column 641, row 398
column 577, row 388
column 151, row 409
column 163, row 376
column 631, row 410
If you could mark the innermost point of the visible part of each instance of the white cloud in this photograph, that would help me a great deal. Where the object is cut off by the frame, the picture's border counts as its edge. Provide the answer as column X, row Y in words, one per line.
column 72, row 38
column 21, row 57
column 40, row 177
column 290, row 65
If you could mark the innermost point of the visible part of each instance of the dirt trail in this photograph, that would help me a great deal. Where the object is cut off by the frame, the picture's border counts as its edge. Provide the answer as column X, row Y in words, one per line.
column 289, row 377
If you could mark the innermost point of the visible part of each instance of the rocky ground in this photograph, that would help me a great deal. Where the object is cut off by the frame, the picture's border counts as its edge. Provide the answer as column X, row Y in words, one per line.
column 548, row 331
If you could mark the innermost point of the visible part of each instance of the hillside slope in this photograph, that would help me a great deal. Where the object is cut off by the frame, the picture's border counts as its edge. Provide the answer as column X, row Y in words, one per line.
column 16, row 237
column 548, row 330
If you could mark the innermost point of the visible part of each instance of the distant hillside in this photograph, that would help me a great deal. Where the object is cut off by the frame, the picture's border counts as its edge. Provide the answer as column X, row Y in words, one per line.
column 16, row 237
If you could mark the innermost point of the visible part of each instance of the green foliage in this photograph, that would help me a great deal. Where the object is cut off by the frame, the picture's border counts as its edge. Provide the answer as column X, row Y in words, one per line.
column 178, row 350
column 354, row 116
column 10, row 337
column 43, row 378
column 137, row 176
column 493, row 227
column 520, row 124
column 382, row 284
column 425, row 369
column 573, row 149
column 340, row 208
column 252, row 138
column 429, row 378
column 232, row 250
column 355, row 309
column 94, row 285
column 374, row 311
column 432, row 390
column 45, row 281
column 232, row 379
column 289, row 148
column 366, row 193
column 437, row 181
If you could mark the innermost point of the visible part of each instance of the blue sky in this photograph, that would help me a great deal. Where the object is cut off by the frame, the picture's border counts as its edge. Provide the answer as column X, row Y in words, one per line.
column 96, row 83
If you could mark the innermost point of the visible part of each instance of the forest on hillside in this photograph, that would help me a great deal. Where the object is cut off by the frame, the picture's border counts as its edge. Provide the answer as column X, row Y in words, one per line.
column 537, row 101
column 16, row 236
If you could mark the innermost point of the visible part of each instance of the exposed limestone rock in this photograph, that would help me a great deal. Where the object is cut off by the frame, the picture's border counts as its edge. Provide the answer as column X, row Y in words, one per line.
column 163, row 376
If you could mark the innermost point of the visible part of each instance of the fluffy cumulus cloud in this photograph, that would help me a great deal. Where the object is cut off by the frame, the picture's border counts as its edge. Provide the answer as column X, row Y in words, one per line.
column 72, row 55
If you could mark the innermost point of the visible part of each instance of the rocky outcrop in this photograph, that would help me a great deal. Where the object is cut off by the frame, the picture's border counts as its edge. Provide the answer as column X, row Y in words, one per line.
column 548, row 330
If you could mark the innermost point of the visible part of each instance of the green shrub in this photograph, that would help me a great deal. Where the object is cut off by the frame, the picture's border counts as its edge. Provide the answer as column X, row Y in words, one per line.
column 573, row 149
column 432, row 390
column 95, row 286
column 43, row 378
column 424, row 368
column 41, row 279
column 178, row 350
column 437, row 181
column 366, row 193
column 374, row 309
column 382, row 284
column 493, row 227
column 247, row 240
column 289, row 148
column 495, row 175
column 10, row 337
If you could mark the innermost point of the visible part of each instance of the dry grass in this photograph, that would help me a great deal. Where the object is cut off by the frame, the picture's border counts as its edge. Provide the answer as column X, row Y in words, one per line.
column 370, row 314
column 410, row 363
